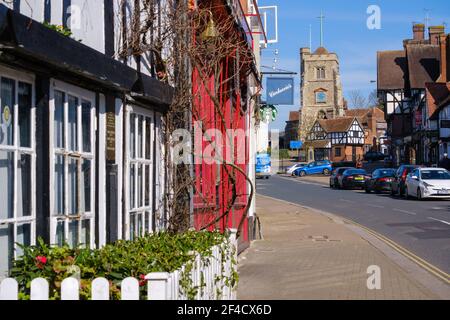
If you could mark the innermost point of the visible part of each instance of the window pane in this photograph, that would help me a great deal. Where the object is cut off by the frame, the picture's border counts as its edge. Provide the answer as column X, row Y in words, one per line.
column 23, row 237
column 25, row 114
column 59, row 185
column 132, row 136
column 72, row 130
column 86, row 186
column 147, row 185
column 7, row 111
column 60, row 233
column 59, row 119
column 6, row 248
column 73, row 233
column 140, row 135
column 132, row 226
column 148, row 139
column 147, row 222
column 86, row 124
column 6, row 184
column 85, row 236
column 140, row 225
column 132, row 186
column 140, row 186
column 24, row 186
column 72, row 193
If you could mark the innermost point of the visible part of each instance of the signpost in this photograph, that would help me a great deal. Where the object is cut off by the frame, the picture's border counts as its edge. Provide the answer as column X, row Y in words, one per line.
column 297, row 145
column 280, row 91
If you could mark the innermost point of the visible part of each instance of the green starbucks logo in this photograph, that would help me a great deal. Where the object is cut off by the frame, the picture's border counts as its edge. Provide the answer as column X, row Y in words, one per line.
column 6, row 116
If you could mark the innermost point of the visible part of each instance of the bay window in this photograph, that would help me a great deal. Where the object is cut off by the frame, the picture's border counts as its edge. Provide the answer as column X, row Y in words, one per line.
column 72, row 166
column 17, row 165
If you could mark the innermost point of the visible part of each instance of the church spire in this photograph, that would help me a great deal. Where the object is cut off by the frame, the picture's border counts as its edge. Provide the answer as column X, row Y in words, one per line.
column 321, row 17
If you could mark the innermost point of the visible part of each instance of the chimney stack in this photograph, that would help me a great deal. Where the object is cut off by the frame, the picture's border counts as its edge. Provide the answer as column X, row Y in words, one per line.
column 443, row 41
column 435, row 32
column 419, row 31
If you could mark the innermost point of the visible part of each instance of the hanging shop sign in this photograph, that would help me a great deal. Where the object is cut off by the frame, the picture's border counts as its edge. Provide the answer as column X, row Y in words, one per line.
column 280, row 91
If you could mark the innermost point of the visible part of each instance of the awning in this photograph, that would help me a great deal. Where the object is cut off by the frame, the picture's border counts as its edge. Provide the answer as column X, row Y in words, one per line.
column 24, row 39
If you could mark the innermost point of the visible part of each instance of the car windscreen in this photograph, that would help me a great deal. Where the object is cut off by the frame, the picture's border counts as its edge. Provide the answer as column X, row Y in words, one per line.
column 386, row 173
column 435, row 175
column 352, row 172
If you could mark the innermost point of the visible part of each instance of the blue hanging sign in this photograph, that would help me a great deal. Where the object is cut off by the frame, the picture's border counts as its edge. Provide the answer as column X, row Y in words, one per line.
column 280, row 91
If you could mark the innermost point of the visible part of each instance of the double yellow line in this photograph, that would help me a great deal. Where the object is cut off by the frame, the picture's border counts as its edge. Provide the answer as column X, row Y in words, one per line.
column 421, row 262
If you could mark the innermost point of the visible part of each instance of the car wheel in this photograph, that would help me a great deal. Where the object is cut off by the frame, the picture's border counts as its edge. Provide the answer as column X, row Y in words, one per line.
column 326, row 172
column 419, row 194
column 367, row 190
column 302, row 173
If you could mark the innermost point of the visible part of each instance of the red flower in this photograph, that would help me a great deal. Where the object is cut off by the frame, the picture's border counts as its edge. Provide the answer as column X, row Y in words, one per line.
column 41, row 262
column 143, row 281
column 41, row 259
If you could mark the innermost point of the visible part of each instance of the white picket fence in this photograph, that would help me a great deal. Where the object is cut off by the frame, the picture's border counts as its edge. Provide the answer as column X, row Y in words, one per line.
column 207, row 274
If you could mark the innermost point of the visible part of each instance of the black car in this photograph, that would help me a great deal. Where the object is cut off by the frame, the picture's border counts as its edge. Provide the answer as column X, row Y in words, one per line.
column 353, row 179
column 398, row 183
column 380, row 180
column 374, row 156
column 334, row 178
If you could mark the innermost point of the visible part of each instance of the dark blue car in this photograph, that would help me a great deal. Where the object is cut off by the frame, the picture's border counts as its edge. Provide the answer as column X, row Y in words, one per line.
column 316, row 167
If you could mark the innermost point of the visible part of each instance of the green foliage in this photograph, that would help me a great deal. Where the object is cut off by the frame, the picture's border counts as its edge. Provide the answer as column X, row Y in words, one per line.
column 58, row 28
column 160, row 252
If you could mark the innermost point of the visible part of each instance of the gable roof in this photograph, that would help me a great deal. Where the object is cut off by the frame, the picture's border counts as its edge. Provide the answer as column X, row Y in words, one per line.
column 423, row 64
column 357, row 113
column 341, row 124
column 437, row 95
column 391, row 69
column 294, row 116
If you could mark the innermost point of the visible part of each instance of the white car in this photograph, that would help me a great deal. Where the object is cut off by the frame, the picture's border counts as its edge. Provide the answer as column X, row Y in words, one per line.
column 425, row 183
column 292, row 169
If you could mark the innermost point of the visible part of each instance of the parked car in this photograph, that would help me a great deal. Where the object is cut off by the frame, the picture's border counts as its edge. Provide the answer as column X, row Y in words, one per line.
column 334, row 178
column 295, row 167
column 316, row 167
column 425, row 183
column 353, row 179
column 380, row 180
column 374, row 156
column 398, row 184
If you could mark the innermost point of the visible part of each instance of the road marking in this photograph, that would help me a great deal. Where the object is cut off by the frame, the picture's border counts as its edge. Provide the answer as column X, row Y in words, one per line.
column 375, row 206
column 416, row 259
column 443, row 221
column 345, row 200
column 407, row 212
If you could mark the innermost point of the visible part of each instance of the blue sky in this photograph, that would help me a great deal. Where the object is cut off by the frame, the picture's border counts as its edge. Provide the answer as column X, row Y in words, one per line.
column 346, row 33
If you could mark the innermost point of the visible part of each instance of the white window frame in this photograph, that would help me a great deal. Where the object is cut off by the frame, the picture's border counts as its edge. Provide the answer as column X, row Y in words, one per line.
column 81, row 95
column 23, row 77
column 140, row 211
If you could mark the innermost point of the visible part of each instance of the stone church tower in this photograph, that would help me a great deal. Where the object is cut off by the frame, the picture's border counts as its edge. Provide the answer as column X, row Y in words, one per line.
column 321, row 88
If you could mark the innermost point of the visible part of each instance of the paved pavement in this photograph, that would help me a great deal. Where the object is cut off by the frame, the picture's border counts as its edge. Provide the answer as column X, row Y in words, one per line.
column 307, row 255
column 422, row 228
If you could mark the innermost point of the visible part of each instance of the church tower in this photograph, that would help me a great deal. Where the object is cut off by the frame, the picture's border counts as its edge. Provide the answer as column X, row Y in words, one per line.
column 321, row 88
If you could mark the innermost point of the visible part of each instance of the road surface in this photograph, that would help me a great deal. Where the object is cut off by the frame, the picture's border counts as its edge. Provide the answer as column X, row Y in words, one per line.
column 421, row 227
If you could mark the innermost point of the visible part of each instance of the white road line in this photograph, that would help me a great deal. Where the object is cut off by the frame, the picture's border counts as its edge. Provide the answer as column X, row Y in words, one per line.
column 345, row 200
column 375, row 206
column 443, row 221
column 407, row 212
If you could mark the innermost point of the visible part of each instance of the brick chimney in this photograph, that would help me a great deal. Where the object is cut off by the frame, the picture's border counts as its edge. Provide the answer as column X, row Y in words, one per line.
column 435, row 32
column 444, row 76
column 419, row 31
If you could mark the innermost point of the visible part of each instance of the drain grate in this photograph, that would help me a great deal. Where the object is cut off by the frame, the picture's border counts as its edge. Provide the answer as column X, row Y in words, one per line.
column 322, row 239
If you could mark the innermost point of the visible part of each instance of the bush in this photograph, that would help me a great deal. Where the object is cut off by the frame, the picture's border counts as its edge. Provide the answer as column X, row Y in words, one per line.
column 161, row 252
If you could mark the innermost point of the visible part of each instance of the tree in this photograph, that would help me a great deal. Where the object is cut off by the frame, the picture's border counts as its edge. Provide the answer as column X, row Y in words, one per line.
column 372, row 100
column 357, row 99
